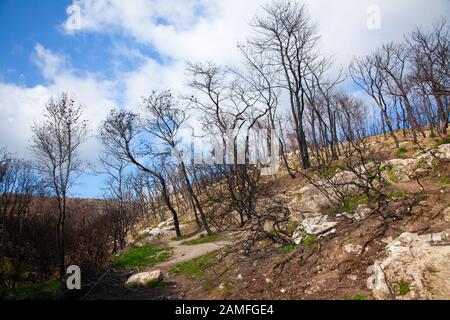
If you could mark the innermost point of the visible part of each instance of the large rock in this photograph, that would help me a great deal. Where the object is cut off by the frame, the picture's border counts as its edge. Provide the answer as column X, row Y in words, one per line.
column 399, row 170
column 153, row 233
column 143, row 278
column 309, row 201
column 166, row 224
column 420, row 262
column 313, row 226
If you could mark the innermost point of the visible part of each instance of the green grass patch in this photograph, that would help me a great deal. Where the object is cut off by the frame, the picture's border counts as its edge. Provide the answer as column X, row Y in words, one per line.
column 357, row 297
column 156, row 284
column 141, row 257
column 289, row 248
column 291, row 227
column 308, row 241
column 201, row 240
column 404, row 288
column 197, row 267
column 444, row 180
column 421, row 196
column 401, row 152
column 49, row 290
column 328, row 171
column 348, row 205
column 445, row 140
column 398, row 195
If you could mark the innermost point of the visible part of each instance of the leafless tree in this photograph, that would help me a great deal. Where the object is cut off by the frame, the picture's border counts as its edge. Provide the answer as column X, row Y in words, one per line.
column 164, row 121
column 368, row 77
column 18, row 185
column 429, row 60
column 288, row 37
column 123, row 136
column 56, row 143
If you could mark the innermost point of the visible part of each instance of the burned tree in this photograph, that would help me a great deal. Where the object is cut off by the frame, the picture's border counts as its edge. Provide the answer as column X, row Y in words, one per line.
column 56, row 143
column 164, row 121
column 123, row 136
column 286, row 34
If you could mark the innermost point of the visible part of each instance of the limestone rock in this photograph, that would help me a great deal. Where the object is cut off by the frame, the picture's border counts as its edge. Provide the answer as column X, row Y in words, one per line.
column 421, row 262
column 352, row 248
column 141, row 279
column 361, row 212
column 313, row 226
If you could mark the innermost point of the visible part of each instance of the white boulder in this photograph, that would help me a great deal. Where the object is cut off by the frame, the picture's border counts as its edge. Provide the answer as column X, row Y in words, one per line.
column 420, row 262
column 143, row 278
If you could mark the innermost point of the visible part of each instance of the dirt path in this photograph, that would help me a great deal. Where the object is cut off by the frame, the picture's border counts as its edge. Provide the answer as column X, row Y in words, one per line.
column 184, row 253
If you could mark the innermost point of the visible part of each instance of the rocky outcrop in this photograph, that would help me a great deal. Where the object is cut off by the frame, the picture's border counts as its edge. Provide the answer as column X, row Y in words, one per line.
column 144, row 278
column 308, row 204
column 317, row 226
column 403, row 170
column 415, row 267
column 162, row 229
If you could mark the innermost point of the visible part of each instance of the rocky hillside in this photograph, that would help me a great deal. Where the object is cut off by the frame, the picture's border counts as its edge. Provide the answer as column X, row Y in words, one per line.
column 394, row 248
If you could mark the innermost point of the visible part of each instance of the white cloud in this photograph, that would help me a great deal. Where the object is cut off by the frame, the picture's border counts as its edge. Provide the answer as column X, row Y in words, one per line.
column 21, row 108
column 180, row 30
column 207, row 29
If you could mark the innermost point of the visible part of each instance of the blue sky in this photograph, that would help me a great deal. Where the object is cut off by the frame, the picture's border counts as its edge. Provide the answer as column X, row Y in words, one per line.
column 124, row 49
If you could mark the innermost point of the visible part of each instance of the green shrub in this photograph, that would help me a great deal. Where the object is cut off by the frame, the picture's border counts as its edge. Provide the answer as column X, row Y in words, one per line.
column 349, row 204
column 404, row 288
column 310, row 241
column 401, row 151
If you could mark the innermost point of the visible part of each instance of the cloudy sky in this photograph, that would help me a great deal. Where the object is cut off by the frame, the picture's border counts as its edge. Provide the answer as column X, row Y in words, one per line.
column 108, row 53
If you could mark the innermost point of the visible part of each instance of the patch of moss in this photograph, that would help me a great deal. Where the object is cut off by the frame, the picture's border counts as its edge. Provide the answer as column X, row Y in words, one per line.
column 299, row 196
column 197, row 267
column 49, row 290
column 201, row 240
column 404, row 288
column 141, row 257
